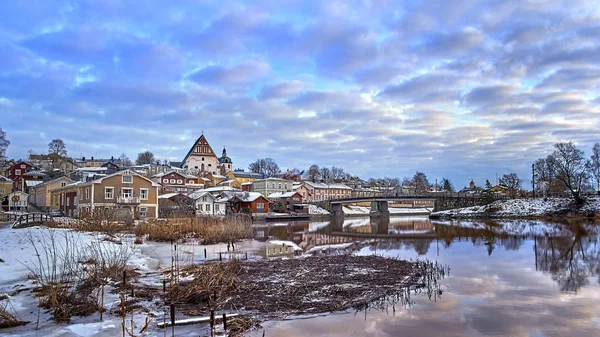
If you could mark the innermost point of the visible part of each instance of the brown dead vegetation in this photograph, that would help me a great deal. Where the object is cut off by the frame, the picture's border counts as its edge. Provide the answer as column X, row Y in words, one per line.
column 206, row 229
column 303, row 286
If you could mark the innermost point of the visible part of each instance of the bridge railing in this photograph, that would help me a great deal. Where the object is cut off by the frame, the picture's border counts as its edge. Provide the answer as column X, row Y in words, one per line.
column 28, row 219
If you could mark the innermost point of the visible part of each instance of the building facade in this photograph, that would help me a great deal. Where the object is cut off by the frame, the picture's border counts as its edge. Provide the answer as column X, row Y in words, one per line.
column 269, row 186
column 313, row 191
column 133, row 194
column 40, row 196
column 202, row 159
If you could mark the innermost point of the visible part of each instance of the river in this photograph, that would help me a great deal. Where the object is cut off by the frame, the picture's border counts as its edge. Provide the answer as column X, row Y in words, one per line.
column 507, row 278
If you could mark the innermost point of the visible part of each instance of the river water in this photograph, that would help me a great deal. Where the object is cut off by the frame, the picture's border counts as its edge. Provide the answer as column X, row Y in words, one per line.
column 507, row 278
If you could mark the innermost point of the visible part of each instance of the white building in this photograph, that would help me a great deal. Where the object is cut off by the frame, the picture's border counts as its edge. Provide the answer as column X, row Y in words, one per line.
column 207, row 204
column 202, row 159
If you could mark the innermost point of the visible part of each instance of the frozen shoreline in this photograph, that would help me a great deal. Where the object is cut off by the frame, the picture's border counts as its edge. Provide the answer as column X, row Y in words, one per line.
column 525, row 208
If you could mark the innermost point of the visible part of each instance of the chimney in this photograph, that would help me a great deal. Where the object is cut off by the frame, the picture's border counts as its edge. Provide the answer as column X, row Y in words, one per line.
column 82, row 158
column 112, row 159
column 92, row 158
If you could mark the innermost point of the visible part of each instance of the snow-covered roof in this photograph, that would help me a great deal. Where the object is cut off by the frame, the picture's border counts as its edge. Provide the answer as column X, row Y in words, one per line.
column 199, row 194
column 244, row 174
column 271, row 179
column 327, row 186
column 221, row 189
column 31, row 183
column 167, row 195
column 92, row 169
column 281, row 195
column 246, row 184
column 243, row 196
column 124, row 172
column 68, row 186
column 3, row 178
column 218, row 176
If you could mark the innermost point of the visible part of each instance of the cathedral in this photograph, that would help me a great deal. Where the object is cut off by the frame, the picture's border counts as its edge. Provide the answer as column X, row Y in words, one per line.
column 202, row 159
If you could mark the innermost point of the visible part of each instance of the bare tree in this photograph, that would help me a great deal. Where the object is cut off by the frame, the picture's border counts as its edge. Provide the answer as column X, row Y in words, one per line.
column 4, row 143
column 512, row 182
column 57, row 146
column 337, row 173
column 571, row 167
column 421, row 183
column 266, row 166
column 125, row 161
column 595, row 166
column 314, row 173
column 145, row 157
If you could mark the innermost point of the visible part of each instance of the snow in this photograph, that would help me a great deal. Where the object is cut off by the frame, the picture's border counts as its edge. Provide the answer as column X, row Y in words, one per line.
column 314, row 209
column 285, row 243
column 327, row 247
column 519, row 208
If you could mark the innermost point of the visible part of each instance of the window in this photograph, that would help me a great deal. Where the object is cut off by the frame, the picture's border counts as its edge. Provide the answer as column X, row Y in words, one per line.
column 109, row 192
column 23, row 166
column 207, row 207
column 179, row 181
column 203, row 198
column 2, row 190
column 279, row 185
column 165, row 181
column 209, row 165
column 260, row 207
column 143, row 212
column 87, row 193
column 144, row 193
column 172, row 181
column 217, row 207
column 68, row 202
column 273, row 185
column 127, row 192
column 18, row 172
column 190, row 182
column 202, row 158
column 63, row 184
column 127, row 179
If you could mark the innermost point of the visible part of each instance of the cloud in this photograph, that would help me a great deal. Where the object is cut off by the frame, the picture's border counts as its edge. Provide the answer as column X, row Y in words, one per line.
column 450, row 88
column 240, row 73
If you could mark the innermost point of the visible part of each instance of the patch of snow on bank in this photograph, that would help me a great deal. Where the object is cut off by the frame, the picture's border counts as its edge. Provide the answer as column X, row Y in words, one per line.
column 284, row 243
column 314, row 209
column 511, row 208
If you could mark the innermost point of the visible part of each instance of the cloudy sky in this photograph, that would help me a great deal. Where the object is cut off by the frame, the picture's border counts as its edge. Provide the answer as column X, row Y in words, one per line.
column 381, row 88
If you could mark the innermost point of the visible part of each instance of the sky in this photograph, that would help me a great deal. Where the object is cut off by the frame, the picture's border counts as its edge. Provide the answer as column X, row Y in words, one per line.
column 464, row 90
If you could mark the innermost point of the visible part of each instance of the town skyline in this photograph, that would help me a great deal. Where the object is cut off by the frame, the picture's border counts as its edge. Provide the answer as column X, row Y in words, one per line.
column 463, row 91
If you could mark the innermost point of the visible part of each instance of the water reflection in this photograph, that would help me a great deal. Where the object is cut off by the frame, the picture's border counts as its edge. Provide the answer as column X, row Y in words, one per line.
column 509, row 278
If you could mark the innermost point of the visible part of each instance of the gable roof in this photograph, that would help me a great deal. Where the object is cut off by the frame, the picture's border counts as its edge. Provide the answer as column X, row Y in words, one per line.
column 56, row 179
column 3, row 178
column 196, row 143
column 124, row 172
column 282, row 195
column 199, row 194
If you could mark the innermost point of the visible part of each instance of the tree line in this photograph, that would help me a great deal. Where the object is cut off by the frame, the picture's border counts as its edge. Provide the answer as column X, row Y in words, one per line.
column 567, row 169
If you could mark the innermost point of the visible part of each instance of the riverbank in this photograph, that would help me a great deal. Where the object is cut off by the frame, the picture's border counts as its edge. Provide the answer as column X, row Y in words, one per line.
column 526, row 208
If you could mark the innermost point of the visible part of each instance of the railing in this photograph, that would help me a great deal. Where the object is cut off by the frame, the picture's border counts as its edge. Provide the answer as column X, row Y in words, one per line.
column 128, row 200
column 29, row 219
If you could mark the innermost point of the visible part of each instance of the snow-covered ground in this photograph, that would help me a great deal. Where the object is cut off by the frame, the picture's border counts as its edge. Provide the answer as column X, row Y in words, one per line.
column 520, row 208
column 314, row 209
column 149, row 259
column 362, row 210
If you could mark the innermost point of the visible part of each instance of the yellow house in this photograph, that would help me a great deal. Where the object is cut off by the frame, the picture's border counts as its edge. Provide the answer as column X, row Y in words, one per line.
column 215, row 179
column 40, row 195
column 6, row 186
column 243, row 177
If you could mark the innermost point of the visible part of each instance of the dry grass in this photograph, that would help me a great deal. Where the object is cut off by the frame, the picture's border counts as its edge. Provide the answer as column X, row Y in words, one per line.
column 209, row 280
column 68, row 272
column 8, row 316
column 207, row 229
